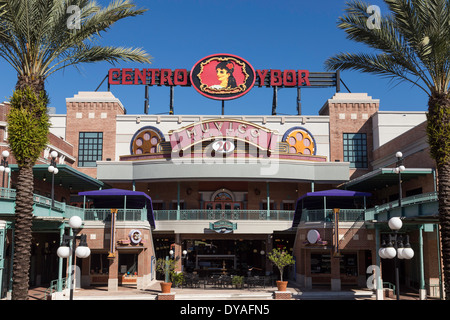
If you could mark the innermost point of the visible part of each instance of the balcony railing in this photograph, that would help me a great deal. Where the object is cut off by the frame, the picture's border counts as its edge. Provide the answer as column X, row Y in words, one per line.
column 122, row 215
column 203, row 214
column 43, row 207
column 328, row 216
column 408, row 201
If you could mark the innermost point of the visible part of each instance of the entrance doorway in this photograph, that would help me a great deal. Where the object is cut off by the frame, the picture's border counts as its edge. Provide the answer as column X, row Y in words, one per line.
column 223, row 200
column 233, row 256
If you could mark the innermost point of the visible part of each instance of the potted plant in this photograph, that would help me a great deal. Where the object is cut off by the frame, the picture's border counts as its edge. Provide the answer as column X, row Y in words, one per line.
column 165, row 266
column 281, row 259
column 176, row 278
column 237, row 281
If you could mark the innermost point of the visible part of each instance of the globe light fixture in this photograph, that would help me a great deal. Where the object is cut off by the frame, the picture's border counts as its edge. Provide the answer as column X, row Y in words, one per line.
column 82, row 252
column 399, row 168
column 69, row 248
column 381, row 253
column 75, row 222
column 396, row 249
column 64, row 252
column 390, row 252
column 395, row 223
column 4, row 165
column 53, row 170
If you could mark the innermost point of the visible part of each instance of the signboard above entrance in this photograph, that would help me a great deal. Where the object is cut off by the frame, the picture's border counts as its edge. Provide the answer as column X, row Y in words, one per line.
column 223, row 226
column 223, row 77
column 204, row 72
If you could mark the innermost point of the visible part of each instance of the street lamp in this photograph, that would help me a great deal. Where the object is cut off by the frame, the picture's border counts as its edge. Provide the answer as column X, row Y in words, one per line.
column 399, row 169
column 53, row 170
column 394, row 249
column 4, row 165
column 69, row 248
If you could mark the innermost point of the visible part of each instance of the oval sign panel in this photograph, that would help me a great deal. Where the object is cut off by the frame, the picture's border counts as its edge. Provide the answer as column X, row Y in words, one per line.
column 222, row 76
column 223, row 146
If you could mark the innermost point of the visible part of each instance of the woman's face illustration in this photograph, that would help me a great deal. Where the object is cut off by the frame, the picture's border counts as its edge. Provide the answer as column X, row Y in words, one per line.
column 222, row 74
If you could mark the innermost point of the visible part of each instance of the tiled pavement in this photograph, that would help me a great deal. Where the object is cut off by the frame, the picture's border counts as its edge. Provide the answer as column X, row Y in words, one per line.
column 150, row 293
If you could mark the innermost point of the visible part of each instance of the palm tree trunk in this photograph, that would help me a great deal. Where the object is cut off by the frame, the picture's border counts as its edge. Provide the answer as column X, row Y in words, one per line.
column 24, row 189
column 438, row 130
column 444, row 220
column 22, row 235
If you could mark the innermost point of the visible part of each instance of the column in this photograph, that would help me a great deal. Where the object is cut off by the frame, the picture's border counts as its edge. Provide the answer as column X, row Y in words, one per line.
column 38, row 260
column 269, row 247
column 2, row 253
column 335, row 273
column 379, row 281
column 178, row 201
column 268, row 200
column 422, row 289
column 60, row 260
column 308, row 278
column 113, row 279
column 177, row 252
column 141, row 270
column 85, row 272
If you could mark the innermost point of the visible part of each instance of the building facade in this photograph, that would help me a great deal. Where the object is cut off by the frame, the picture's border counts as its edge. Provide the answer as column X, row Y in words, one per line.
column 225, row 190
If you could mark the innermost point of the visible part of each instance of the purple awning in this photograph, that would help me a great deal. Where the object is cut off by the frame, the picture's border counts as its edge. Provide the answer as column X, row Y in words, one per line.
column 335, row 193
column 115, row 198
column 335, row 198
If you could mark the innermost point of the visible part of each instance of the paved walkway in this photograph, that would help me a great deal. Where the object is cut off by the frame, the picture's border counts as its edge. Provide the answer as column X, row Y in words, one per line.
column 259, row 293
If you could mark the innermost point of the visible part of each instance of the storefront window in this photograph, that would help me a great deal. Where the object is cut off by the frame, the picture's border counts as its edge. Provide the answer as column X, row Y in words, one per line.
column 128, row 263
column 320, row 263
column 99, row 263
column 349, row 264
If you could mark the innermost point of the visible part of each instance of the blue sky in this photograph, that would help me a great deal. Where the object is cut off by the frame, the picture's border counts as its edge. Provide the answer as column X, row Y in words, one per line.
column 282, row 34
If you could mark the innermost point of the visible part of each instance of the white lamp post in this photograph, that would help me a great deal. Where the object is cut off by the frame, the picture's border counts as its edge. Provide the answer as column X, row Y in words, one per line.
column 53, row 170
column 396, row 249
column 4, row 165
column 399, row 169
column 69, row 248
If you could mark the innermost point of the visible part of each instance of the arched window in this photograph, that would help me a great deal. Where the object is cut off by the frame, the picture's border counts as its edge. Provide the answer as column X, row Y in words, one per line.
column 146, row 140
column 300, row 141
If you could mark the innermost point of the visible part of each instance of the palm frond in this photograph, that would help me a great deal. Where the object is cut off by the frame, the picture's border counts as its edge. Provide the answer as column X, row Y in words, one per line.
column 35, row 37
column 99, row 53
column 415, row 36
column 378, row 64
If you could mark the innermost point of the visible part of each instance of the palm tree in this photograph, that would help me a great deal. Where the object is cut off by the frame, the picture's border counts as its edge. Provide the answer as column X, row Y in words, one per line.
column 38, row 38
column 411, row 44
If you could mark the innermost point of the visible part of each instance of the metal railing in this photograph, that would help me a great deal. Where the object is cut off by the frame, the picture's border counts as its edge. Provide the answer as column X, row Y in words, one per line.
column 204, row 214
column 412, row 200
column 328, row 216
column 122, row 215
column 54, row 286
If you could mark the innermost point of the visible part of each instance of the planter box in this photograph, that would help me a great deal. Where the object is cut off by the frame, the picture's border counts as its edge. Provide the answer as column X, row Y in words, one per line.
column 282, row 295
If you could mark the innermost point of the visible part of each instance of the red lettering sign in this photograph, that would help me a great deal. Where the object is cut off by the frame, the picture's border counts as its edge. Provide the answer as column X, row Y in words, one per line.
column 275, row 78
column 303, row 78
column 126, row 76
column 207, row 79
column 262, row 76
column 113, row 76
column 180, row 77
column 166, row 76
column 289, row 78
